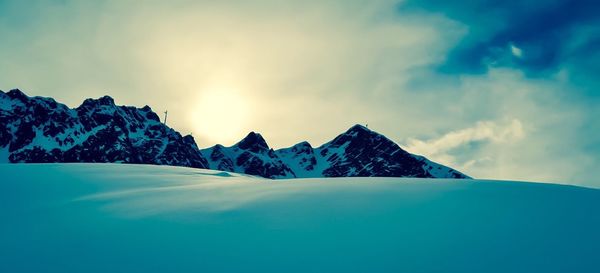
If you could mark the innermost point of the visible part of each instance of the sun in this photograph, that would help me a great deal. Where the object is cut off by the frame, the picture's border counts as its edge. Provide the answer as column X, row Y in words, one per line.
column 221, row 114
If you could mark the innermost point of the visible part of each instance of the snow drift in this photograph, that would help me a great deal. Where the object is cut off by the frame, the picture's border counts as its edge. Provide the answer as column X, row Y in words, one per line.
column 140, row 218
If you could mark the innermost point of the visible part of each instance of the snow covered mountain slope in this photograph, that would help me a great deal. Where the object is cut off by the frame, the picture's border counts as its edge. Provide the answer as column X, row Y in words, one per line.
column 37, row 129
column 141, row 218
column 359, row 152
column 251, row 155
column 364, row 153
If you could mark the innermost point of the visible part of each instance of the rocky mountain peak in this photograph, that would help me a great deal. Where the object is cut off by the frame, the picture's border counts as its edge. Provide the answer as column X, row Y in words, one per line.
column 17, row 94
column 357, row 135
column 358, row 128
column 105, row 100
column 302, row 147
column 253, row 142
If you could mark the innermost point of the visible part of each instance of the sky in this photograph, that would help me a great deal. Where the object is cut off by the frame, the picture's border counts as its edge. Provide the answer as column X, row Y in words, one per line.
column 495, row 89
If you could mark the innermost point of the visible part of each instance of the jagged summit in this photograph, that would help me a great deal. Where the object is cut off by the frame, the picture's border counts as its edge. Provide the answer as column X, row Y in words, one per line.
column 16, row 94
column 356, row 134
column 253, row 142
column 251, row 155
column 358, row 128
column 38, row 129
column 302, row 146
column 104, row 100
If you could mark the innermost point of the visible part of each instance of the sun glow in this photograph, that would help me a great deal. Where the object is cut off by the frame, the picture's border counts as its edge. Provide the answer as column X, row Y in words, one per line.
column 221, row 114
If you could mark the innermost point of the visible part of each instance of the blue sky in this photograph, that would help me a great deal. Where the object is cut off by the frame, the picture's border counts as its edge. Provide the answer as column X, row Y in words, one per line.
column 497, row 89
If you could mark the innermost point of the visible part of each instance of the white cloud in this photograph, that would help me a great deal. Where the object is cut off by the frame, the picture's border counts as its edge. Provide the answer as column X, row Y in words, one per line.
column 438, row 148
column 517, row 52
column 474, row 162
column 532, row 129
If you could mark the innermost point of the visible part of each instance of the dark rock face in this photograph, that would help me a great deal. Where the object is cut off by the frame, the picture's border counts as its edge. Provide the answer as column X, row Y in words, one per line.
column 251, row 156
column 37, row 129
column 253, row 142
column 225, row 163
column 362, row 152
column 301, row 158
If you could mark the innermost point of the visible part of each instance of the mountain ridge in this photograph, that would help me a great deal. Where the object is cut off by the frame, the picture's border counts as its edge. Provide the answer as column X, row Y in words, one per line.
column 357, row 152
column 39, row 129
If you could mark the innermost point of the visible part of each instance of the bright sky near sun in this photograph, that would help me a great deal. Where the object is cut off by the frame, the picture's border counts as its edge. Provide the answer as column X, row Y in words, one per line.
column 495, row 91
column 222, row 110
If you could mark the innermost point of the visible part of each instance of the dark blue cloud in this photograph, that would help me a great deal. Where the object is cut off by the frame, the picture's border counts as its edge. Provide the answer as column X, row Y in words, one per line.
column 552, row 34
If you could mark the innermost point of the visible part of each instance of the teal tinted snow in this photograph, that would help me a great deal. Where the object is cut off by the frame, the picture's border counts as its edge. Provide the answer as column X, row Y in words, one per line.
column 137, row 218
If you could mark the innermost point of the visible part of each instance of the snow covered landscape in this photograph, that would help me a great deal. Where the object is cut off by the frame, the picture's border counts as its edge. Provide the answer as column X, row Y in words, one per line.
column 82, row 217
column 404, row 136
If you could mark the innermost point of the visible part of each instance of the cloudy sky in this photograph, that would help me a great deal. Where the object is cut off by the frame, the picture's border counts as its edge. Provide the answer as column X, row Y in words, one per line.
column 496, row 89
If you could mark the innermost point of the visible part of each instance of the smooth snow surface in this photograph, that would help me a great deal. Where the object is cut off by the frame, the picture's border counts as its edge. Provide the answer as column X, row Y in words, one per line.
column 139, row 218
